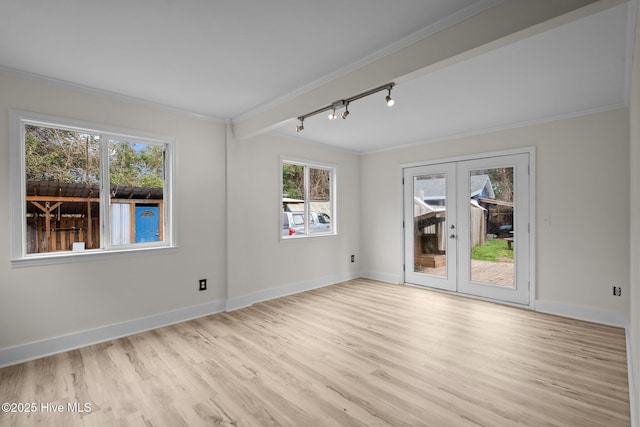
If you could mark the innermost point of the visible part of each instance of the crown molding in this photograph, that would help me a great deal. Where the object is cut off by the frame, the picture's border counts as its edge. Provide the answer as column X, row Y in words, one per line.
column 499, row 128
column 63, row 84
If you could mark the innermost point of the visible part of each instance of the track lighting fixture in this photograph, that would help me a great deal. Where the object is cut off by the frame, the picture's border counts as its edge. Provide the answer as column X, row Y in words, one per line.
column 390, row 100
column 345, row 113
column 345, row 103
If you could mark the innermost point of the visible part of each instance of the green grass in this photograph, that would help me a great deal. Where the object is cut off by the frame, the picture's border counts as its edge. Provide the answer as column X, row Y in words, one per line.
column 492, row 250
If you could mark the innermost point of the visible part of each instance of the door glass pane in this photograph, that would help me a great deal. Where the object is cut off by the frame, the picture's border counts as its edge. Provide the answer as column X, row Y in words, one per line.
column 491, row 219
column 429, row 222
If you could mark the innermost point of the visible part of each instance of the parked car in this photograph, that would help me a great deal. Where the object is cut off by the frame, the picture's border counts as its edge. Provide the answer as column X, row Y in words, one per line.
column 293, row 223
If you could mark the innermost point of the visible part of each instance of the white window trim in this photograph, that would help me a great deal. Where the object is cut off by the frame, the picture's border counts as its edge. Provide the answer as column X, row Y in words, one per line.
column 334, row 198
column 19, row 257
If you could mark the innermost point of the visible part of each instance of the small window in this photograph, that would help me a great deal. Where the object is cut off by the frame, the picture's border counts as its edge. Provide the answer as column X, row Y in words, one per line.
column 308, row 191
column 86, row 189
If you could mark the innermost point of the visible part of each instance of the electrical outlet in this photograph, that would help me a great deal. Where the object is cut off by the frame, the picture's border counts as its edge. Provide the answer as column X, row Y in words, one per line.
column 203, row 284
column 353, row 258
column 617, row 291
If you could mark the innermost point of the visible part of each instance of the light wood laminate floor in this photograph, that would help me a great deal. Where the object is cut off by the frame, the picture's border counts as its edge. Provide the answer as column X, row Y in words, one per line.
column 360, row 353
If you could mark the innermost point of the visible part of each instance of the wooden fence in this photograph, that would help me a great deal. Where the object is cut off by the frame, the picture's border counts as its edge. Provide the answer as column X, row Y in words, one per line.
column 63, row 234
column 478, row 226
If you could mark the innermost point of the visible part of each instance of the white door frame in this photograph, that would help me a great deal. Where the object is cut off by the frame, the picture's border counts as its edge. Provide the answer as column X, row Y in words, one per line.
column 531, row 151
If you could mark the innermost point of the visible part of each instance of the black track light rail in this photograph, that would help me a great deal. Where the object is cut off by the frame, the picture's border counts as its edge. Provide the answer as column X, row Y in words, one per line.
column 345, row 102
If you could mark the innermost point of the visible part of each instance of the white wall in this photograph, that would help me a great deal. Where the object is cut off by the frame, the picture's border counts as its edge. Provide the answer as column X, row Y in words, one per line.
column 45, row 302
column 51, row 308
column 262, row 266
column 582, row 184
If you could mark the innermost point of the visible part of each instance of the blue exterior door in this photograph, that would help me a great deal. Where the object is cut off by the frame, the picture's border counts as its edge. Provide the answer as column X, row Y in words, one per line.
column 147, row 224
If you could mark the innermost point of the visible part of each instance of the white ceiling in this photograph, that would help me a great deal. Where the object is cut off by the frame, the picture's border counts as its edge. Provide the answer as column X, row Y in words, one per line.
column 574, row 69
column 226, row 59
column 215, row 58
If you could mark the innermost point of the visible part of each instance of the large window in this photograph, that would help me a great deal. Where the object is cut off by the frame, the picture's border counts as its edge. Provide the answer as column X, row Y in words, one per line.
column 80, row 188
column 308, row 200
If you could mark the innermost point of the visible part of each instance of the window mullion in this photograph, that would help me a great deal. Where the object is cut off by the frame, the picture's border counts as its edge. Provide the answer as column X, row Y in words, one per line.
column 105, row 193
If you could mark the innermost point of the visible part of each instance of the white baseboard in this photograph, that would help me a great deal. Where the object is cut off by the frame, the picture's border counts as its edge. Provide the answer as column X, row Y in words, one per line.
column 23, row 353
column 383, row 277
column 589, row 314
column 291, row 289
column 238, row 303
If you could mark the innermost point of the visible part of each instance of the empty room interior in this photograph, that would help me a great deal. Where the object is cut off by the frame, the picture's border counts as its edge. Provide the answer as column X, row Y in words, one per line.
column 320, row 213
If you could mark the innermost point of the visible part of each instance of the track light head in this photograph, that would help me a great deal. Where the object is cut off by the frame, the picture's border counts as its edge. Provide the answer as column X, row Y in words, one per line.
column 332, row 114
column 300, row 127
column 345, row 113
column 390, row 100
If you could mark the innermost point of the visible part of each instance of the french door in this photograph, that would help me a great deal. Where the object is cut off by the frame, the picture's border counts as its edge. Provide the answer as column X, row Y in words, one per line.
column 467, row 227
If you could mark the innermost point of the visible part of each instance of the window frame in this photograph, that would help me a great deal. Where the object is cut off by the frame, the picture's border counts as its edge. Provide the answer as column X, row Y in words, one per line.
column 17, row 143
column 333, row 174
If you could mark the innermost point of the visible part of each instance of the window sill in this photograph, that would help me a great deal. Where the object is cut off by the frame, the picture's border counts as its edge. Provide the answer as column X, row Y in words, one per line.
column 308, row 237
column 86, row 256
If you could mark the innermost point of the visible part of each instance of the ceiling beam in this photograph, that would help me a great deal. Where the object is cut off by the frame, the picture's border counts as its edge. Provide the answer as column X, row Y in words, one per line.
column 506, row 23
